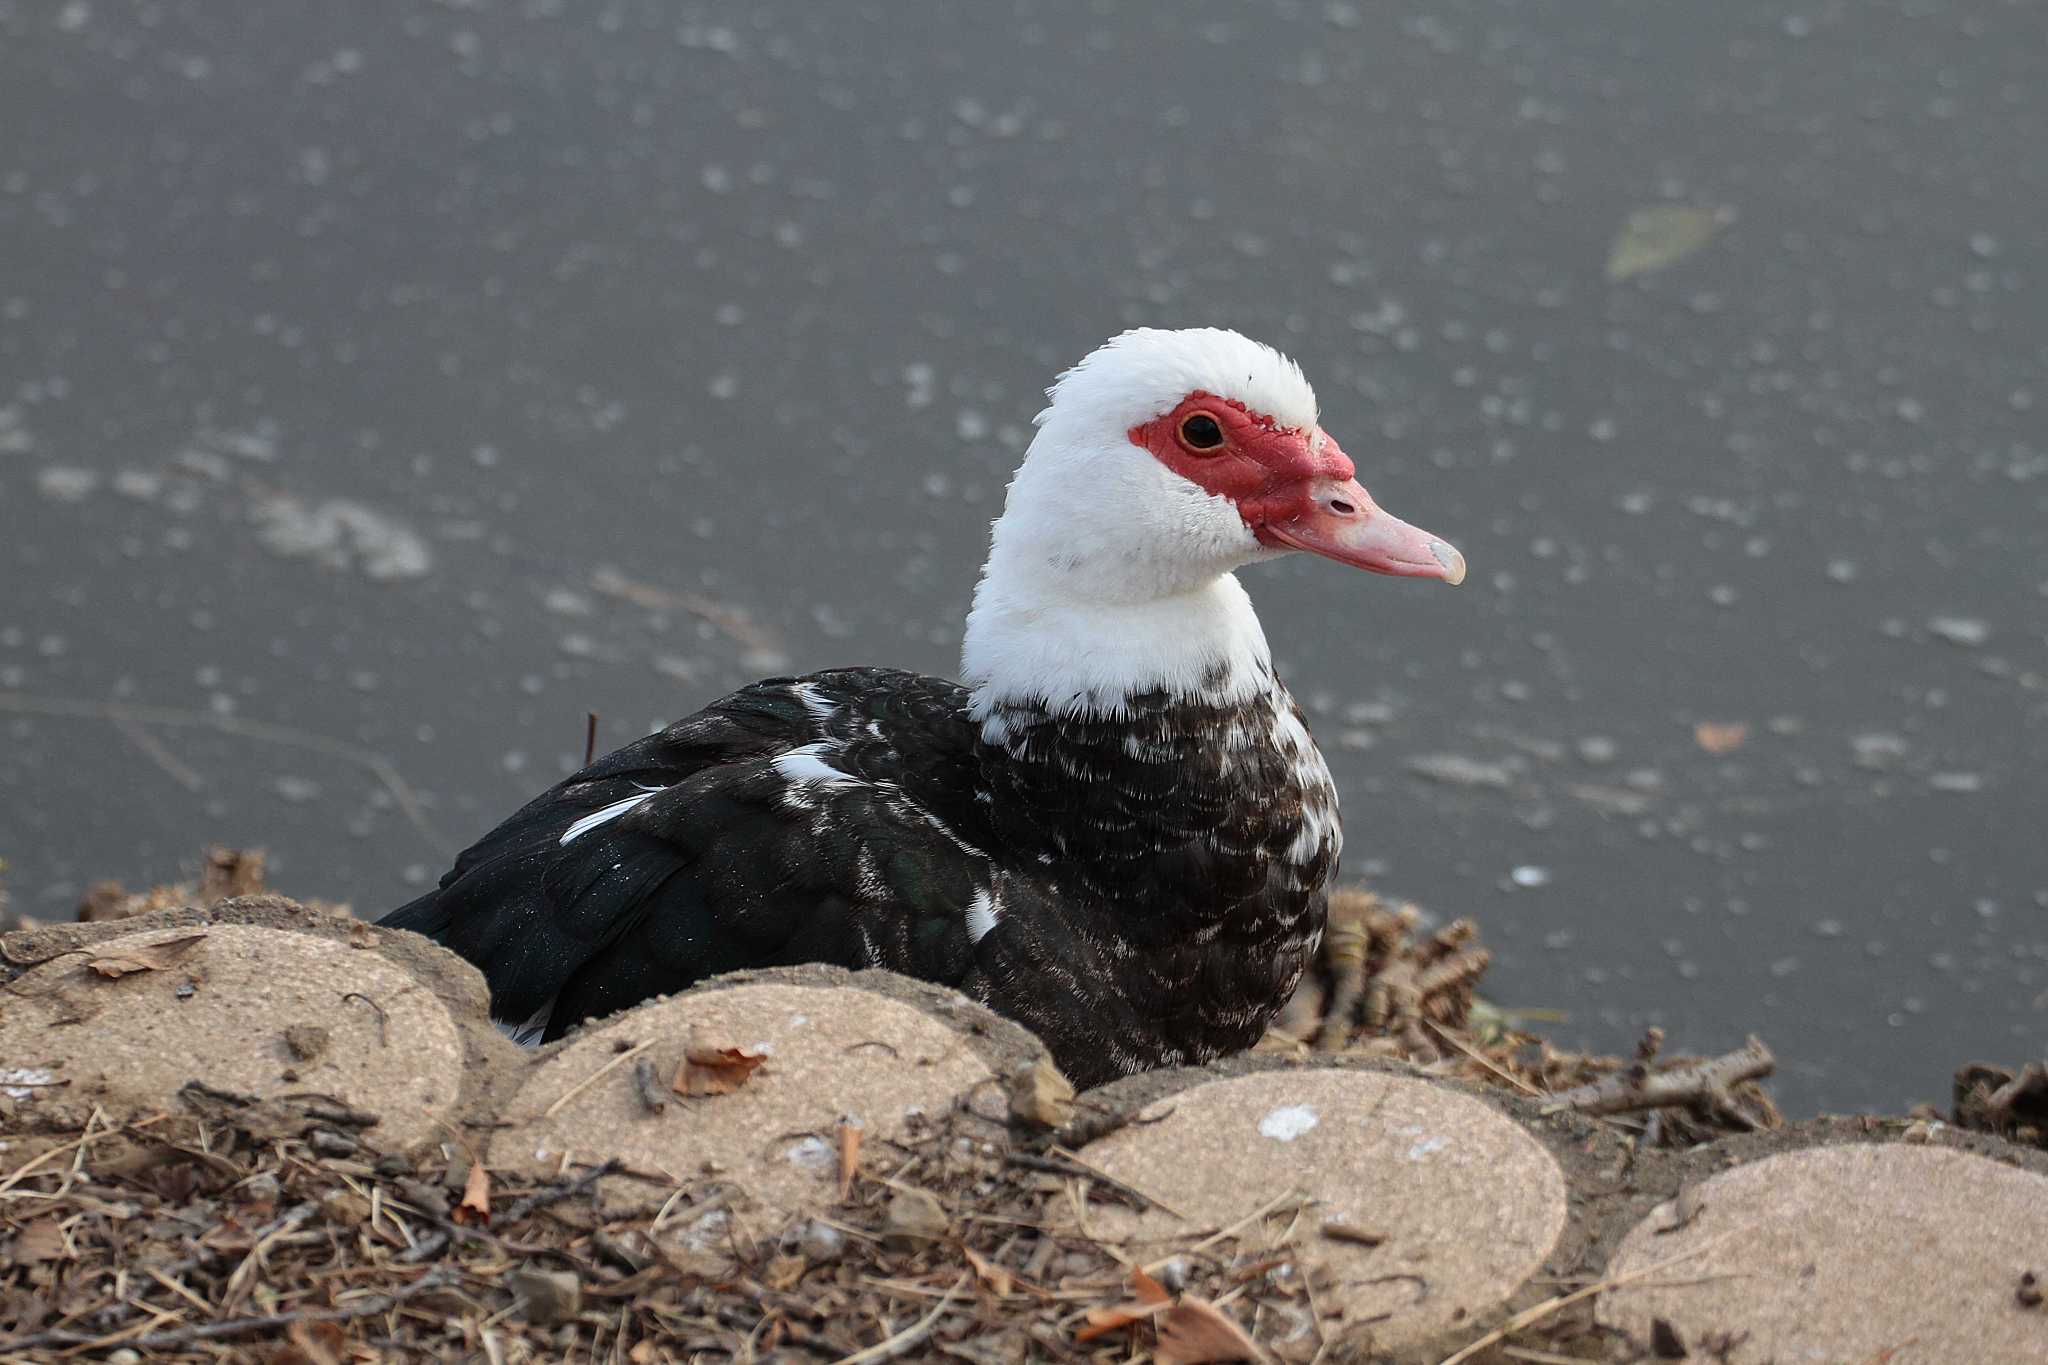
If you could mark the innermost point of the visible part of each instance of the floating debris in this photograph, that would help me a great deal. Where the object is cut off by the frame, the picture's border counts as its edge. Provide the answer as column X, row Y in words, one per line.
column 1660, row 235
column 342, row 534
column 1966, row 632
column 67, row 483
column 1456, row 770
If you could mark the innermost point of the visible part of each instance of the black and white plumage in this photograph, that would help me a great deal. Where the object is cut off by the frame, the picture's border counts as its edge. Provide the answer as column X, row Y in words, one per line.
column 1116, row 830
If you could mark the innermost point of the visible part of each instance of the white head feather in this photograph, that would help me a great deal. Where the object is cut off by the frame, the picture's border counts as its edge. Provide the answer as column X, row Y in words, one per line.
column 1108, row 574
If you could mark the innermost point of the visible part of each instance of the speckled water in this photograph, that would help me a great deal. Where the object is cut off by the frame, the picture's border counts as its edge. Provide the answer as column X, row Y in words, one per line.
column 393, row 384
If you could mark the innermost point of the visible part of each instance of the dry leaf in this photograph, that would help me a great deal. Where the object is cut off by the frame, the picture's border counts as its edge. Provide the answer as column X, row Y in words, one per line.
column 546, row 1297
column 998, row 1280
column 476, row 1197
column 709, row 1069
column 148, row 957
column 914, row 1217
column 1151, row 1300
column 1660, row 235
column 1040, row 1097
column 849, row 1156
column 1103, row 1320
column 1197, row 1332
column 1720, row 738
column 42, row 1240
column 312, row 1343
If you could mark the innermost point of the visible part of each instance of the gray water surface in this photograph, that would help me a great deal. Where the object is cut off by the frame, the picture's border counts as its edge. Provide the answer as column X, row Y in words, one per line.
column 391, row 385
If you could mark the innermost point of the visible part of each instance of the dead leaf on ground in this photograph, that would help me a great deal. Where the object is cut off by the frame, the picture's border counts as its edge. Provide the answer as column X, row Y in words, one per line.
column 1720, row 737
column 148, row 957
column 849, row 1155
column 313, row 1343
column 1197, row 1332
column 1040, row 1097
column 712, row 1069
column 1659, row 235
column 914, row 1218
column 476, row 1197
column 1100, row 1321
column 42, row 1240
column 1149, row 1299
column 998, row 1280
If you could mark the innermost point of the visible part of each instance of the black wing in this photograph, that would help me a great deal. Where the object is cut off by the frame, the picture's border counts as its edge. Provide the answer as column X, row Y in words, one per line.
column 829, row 818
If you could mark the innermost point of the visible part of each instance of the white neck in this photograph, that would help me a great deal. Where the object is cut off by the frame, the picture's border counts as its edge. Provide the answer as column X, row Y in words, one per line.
column 1086, row 602
column 1084, row 658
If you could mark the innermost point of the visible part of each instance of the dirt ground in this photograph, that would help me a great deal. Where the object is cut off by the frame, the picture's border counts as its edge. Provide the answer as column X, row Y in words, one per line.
column 231, row 1227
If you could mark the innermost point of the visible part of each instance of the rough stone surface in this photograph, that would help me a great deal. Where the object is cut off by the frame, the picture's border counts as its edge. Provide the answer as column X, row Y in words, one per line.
column 1846, row 1252
column 833, row 1051
column 1417, row 1164
column 226, row 1011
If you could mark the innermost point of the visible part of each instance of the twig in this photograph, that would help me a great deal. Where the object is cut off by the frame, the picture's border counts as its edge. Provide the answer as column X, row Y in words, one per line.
column 2031, row 1080
column 573, row 1091
column 1064, row 1162
column 649, row 1086
column 760, row 643
column 1476, row 1055
column 1529, row 1316
column 1094, row 1124
column 266, row 732
column 177, row 770
column 238, row 1281
column 909, row 1336
column 1345, row 944
column 589, row 737
column 383, row 1020
column 235, row 1327
column 555, row 1194
column 1258, row 1214
column 1703, row 1082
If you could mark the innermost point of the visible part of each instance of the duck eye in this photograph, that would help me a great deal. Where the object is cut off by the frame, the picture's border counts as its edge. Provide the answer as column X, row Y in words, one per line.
column 1199, row 431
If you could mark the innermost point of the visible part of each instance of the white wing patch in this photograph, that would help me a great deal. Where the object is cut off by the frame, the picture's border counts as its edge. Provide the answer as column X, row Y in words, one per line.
column 820, row 707
column 982, row 915
column 611, row 812
column 528, row 1032
column 807, row 765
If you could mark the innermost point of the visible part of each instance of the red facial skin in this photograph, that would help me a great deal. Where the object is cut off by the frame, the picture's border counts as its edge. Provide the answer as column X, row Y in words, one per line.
column 1295, row 488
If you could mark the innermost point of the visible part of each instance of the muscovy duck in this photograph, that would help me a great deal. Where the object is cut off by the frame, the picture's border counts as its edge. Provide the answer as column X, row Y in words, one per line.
column 1114, row 829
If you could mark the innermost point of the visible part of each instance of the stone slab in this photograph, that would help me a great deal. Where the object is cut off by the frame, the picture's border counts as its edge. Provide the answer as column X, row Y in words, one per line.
column 1468, row 1204
column 1845, row 1252
column 833, row 1050
column 249, row 1009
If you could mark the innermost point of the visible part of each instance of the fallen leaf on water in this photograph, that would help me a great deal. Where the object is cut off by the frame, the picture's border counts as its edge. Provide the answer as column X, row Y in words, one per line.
column 1149, row 1301
column 148, row 957
column 1658, row 235
column 476, row 1197
column 1720, row 738
column 709, row 1069
column 1197, row 1332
